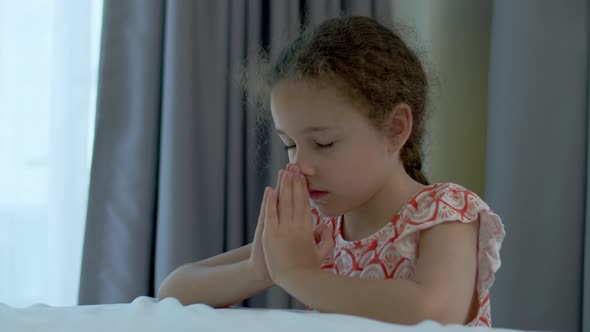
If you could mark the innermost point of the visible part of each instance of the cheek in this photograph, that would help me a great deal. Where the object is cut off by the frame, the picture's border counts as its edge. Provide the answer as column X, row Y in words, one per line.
column 359, row 174
column 368, row 167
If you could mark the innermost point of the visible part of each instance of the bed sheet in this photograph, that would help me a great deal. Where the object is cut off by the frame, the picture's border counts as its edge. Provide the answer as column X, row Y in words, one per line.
column 148, row 314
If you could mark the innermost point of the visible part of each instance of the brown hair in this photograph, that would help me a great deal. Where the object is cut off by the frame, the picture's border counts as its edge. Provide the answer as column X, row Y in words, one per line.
column 368, row 61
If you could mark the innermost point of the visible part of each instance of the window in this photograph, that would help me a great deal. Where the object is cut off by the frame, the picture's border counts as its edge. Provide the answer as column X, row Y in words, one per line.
column 49, row 52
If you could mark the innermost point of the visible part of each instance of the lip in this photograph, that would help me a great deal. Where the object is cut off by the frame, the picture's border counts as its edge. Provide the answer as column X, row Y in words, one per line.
column 316, row 194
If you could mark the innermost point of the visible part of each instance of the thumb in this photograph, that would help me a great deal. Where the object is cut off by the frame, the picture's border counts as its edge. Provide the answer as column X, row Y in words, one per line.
column 259, row 228
column 318, row 231
column 326, row 244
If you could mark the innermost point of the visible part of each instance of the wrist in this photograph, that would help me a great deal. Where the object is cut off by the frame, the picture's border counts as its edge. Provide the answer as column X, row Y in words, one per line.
column 264, row 282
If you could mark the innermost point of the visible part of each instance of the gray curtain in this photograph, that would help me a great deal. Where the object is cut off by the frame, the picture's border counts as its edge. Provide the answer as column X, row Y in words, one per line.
column 177, row 171
column 537, row 165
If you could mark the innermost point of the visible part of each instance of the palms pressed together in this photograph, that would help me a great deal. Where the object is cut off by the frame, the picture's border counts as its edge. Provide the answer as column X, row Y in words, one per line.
column 285, row 239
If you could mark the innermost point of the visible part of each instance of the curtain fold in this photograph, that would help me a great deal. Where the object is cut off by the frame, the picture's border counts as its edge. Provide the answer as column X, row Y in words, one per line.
column 537, row 168
column 119, row 233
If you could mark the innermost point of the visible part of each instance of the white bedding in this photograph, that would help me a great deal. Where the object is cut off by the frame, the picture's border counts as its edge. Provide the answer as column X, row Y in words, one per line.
column 147, row 314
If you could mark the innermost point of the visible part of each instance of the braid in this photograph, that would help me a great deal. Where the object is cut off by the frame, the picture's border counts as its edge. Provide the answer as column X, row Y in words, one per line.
column 412, row 162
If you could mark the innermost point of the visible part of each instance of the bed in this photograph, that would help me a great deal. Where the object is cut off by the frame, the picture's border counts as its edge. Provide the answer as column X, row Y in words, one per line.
column 148, row 314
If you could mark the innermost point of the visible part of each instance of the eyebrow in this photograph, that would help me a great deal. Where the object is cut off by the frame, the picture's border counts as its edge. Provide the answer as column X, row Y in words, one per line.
column 308, row 130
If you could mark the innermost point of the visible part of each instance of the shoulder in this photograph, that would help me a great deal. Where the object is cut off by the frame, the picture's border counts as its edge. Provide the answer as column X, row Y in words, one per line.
column 444, row 191
column 444, row 202
column 451, row 205
column 449, row 212
column 448, row 225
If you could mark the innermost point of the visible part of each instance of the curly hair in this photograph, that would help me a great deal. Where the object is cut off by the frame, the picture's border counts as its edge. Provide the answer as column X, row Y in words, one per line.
column 368, row 62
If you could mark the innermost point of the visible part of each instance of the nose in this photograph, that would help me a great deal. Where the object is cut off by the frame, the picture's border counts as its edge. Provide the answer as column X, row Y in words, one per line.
column 303, row 164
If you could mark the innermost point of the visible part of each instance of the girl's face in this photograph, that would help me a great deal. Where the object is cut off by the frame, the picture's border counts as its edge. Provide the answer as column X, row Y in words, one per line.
column 333, row 143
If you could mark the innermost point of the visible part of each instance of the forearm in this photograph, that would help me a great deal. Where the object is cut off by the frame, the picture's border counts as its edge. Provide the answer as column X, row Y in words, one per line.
column 395, row 301
column 216, row 286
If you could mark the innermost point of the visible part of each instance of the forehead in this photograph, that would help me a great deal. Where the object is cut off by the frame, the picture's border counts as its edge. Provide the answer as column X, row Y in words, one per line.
column 296, row 105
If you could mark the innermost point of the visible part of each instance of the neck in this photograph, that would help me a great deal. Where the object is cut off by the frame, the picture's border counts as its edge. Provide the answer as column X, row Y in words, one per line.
column 377, row 211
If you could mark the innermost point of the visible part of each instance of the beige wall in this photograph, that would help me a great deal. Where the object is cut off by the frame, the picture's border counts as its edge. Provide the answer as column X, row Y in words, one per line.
column 454, row 35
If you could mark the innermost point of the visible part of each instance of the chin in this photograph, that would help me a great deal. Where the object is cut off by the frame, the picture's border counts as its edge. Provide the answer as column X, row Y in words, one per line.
column 327, row 211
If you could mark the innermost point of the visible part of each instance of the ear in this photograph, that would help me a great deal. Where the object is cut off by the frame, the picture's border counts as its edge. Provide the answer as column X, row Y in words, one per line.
column 400, row 126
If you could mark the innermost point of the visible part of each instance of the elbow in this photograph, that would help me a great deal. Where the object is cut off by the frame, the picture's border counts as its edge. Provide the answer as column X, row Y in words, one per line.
column 169, row 287
column 164, row 290
column 175, row 285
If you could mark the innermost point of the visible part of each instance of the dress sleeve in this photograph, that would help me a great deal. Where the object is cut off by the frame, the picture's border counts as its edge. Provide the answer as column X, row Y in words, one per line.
column 452, row 205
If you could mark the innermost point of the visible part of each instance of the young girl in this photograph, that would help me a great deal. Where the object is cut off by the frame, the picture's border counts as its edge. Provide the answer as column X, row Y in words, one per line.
column 378, row 241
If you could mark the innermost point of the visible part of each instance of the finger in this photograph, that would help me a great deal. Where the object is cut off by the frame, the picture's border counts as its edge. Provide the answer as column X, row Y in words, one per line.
column 280, row 180
column 305, row 200
column 298, row 200
column 317, row 233
column 278, row 186
column 296, row 170
column 326, row 233
column 262, row 209
column 271, row 218
column 286, row 198
column 326, row 245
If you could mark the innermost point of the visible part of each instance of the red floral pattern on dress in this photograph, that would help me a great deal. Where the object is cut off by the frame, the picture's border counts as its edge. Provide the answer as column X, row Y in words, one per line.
column 391, row 252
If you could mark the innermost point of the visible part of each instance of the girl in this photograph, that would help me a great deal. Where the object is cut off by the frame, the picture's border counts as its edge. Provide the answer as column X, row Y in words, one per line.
column 348, row 100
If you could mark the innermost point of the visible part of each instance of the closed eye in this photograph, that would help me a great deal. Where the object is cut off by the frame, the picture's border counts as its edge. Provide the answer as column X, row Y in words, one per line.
column 325, row 146
column 320, row 146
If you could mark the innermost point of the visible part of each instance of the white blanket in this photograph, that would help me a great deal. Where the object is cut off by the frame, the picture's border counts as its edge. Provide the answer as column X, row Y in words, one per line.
column 147, row 314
